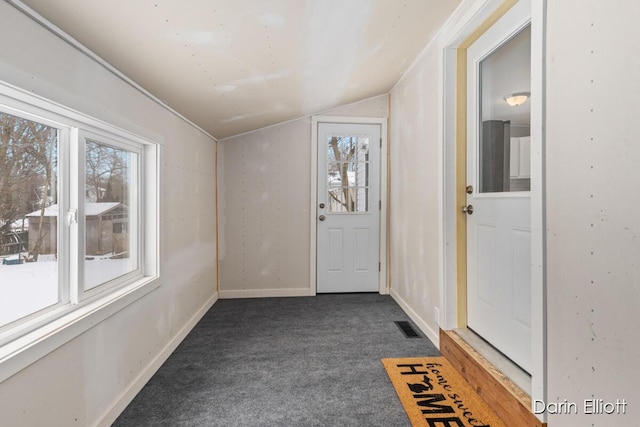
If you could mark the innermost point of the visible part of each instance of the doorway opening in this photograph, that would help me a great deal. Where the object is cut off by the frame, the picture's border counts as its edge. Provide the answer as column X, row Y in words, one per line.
column 501, row 171
column 348, row 206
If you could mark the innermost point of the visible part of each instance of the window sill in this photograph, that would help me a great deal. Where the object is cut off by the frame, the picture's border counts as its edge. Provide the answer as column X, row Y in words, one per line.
column 27, row 349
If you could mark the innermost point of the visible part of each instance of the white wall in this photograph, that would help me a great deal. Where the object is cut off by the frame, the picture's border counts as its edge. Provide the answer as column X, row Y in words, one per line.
column 593, row 208
column 417, row 199
column 414, row 200
column 93, row 376
column 264, row 197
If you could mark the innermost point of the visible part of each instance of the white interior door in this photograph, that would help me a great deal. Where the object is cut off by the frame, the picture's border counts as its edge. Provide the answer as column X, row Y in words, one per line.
column 348, row 207
column 499, row 225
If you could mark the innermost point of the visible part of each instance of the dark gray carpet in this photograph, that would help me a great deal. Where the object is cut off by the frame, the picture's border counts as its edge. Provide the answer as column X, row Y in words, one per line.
column 308, row 361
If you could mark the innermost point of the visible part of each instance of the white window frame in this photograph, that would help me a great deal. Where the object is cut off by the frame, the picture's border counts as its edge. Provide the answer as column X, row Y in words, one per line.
column 26, row 340
column 78, row 186
column 34, row 319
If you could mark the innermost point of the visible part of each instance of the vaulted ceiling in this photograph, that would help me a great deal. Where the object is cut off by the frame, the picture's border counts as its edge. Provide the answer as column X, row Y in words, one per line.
column 232, row 66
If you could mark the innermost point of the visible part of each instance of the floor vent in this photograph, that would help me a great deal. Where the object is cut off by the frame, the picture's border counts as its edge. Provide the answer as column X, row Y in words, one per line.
column 407, row 329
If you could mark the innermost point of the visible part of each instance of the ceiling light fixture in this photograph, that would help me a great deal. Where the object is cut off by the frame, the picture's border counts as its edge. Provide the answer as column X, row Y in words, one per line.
column 517, row 98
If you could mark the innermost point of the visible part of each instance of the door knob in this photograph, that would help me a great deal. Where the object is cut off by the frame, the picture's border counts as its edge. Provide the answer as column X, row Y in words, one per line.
column 467, row 209
column 321, row 217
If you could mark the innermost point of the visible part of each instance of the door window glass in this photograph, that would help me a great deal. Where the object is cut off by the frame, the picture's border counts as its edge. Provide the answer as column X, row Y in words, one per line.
column 504, row 153
column 348, row 174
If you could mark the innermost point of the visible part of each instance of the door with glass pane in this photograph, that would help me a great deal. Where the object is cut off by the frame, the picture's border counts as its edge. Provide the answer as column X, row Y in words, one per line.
column 498, row 208
column 348, row 211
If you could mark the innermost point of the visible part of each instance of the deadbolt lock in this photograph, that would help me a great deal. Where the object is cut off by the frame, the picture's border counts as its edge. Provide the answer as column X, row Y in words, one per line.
column 321, row 205
column 469, row 189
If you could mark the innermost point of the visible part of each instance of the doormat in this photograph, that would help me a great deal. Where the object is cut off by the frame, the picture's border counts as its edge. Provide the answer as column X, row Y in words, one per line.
column 434, row 394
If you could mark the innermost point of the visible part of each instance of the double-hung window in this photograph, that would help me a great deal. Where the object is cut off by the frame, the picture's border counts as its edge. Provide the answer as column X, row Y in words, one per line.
column 78, row 219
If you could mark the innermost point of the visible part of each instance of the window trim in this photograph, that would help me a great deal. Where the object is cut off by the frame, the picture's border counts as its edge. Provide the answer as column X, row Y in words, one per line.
column 42, row 332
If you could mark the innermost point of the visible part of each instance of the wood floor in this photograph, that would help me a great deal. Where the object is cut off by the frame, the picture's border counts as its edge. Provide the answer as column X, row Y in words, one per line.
column 508, row 400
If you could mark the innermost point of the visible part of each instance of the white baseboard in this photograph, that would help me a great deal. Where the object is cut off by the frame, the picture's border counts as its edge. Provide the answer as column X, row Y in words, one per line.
column 145, row 375
column 265, row 293
column 420, row 323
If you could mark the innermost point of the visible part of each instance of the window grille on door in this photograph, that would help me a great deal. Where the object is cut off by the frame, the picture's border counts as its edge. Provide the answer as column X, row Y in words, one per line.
column 348, row 174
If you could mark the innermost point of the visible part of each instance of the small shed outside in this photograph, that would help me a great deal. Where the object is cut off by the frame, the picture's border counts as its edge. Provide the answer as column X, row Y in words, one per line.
column 107, row 226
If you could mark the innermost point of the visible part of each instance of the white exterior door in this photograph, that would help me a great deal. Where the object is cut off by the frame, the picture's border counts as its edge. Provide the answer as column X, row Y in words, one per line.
column 348, row 207
column 499, row 223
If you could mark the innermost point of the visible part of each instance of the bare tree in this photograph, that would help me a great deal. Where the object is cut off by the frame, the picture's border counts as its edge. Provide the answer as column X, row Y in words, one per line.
column 343, row 156
column 22, row 171
column 106, row 173
column 42, row 150
column 28, row 162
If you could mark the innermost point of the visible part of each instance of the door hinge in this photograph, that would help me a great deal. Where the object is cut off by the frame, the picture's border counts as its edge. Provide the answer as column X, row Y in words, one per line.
column 380, row 142
column 379, row 266
column 380, row 204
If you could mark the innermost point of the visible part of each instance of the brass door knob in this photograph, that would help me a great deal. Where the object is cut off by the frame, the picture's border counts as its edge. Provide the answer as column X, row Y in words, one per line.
column 467, row 209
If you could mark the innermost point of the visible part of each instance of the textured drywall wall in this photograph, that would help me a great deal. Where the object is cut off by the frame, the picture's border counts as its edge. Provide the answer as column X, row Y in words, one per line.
column 593, row 208
column 264, row 196
column 415, row 206
column 82, row 381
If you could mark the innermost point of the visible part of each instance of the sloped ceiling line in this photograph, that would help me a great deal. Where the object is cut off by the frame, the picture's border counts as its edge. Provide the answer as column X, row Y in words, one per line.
column 231, row 66
column 76, row 44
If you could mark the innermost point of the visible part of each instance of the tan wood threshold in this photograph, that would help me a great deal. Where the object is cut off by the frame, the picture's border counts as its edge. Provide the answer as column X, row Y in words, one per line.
column 504, row 397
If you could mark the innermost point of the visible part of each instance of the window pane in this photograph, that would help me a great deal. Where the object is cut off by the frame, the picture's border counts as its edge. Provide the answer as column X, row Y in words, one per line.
column 505, row 117
column 110, row 205
column 348, row 200
column 28, row 217
column 348, row 174
column 347, row 148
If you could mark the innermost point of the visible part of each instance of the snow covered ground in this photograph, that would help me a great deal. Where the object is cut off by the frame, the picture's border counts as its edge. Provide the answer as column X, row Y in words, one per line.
column 102, row 269
column 27, row 288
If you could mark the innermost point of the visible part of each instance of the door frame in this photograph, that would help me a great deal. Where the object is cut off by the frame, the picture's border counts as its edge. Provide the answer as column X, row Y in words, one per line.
column 383, row 287
column 453, row 239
